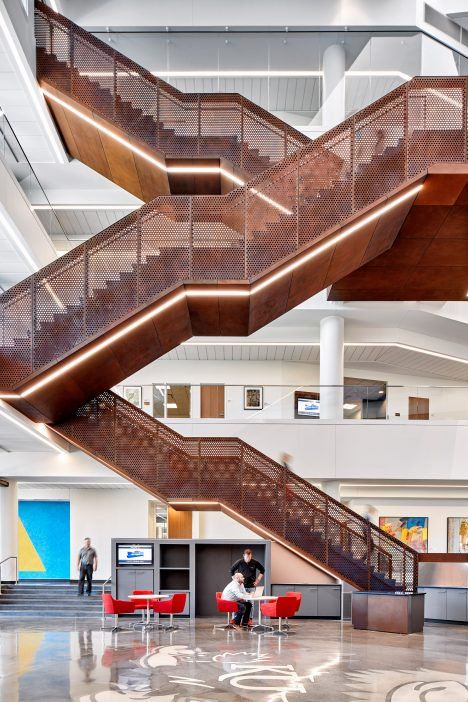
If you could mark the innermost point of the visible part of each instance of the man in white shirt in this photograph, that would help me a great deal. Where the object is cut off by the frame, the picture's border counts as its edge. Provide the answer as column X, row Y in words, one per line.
column 236, row 592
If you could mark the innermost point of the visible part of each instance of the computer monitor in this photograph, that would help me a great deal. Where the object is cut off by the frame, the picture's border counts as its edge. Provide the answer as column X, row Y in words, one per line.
column 135, row 555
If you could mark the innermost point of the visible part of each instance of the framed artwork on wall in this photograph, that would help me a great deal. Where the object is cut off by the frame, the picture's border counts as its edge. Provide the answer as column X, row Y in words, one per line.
column 457, row 534
column 411, row 530
column 253, row 397
column 132, row 393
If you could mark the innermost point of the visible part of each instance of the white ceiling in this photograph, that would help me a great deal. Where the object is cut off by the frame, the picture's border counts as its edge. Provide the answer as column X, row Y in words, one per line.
column 13, row 438
column 389, row 357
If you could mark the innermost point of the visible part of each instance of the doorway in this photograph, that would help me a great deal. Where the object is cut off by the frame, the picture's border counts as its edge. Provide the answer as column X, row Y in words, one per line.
column 418, row 408
column 212, row 401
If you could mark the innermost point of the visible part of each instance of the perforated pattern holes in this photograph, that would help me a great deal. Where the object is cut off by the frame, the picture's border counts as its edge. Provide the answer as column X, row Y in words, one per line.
column 218, row 237
column 229, row 471
column 180, row 125
column 16, row 306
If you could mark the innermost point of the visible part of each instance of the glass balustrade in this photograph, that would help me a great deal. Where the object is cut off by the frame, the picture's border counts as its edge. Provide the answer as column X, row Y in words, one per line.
column 302, row 403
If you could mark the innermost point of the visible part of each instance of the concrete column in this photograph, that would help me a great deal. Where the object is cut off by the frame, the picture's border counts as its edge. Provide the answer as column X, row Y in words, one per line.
column 332, row 488
column 331, row 367
column 333, row 97
column 8, row 528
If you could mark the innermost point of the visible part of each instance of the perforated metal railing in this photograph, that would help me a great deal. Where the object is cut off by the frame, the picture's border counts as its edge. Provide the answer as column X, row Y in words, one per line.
column 229, row 471
column 151, row 110
column 237, row 236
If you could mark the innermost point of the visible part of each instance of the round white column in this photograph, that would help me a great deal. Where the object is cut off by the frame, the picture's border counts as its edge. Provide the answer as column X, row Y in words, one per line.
column 333, row 96
column 331, row 367
column 8, row 528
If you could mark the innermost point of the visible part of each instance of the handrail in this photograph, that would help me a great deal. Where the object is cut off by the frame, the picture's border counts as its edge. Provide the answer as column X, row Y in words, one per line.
column 206, row 119
column 8, row 558
column 277, row 214
column 229, row 471
column 103, row 613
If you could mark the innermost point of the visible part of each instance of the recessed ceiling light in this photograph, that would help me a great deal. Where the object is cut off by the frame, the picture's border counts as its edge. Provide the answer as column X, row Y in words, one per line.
column 348, row 406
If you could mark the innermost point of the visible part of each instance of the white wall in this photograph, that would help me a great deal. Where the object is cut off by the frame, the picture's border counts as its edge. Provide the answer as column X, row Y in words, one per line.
column 435, row 510
column 101, row 514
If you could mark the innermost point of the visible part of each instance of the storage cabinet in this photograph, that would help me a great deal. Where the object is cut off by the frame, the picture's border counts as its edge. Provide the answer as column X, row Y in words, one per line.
column 457, row 604
column 130, row 579
column 449, row 604
column 317, row 600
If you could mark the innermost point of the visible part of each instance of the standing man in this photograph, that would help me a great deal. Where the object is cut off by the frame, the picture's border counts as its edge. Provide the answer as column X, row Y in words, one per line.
column 87, row 564
column 248, row 566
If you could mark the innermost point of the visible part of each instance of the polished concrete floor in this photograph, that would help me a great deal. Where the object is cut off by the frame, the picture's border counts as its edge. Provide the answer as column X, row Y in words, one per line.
column 51, row 660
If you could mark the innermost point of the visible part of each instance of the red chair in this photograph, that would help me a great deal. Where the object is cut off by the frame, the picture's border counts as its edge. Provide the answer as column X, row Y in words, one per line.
column 174, row 605
column 228, row 606
column 142, row 605
column 298, row 597
column 116, row 607
column 282, row 608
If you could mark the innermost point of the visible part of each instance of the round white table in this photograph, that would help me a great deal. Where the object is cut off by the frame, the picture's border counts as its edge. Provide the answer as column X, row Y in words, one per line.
column 260, row 628
column 148, row 597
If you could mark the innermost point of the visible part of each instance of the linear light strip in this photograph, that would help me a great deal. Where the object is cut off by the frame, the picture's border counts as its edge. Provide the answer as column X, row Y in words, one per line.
column 349, row 344
column 31, row 88
column 80, row 207
column 214, row 293
column 159, row 164
column 36, row 434
column 255, row 527
column 245, row 74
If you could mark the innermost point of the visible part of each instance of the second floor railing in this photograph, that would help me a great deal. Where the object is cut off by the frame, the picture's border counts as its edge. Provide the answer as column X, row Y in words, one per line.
column 248, row 483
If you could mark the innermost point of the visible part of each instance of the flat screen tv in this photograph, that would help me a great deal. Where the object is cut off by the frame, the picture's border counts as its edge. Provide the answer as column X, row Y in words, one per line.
column 135, row 555
column 307, row 407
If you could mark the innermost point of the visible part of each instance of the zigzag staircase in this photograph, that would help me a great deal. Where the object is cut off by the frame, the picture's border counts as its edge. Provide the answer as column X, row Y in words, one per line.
column 227, row 265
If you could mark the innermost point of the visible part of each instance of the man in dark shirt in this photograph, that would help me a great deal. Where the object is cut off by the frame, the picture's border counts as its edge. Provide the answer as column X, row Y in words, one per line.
column 248, row 566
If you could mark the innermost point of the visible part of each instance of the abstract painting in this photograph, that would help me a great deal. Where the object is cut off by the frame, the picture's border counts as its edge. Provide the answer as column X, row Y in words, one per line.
column 457, row 534
column 132, row 393
column 253, row 398
column 411, row 530
column 43, row 539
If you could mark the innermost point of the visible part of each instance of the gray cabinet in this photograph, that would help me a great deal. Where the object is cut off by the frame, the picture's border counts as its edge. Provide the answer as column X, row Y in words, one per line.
column 329, row 601
column 317, row 600
column 435, row 603
column 309, row 602
column 129, row 579
column 457, row 604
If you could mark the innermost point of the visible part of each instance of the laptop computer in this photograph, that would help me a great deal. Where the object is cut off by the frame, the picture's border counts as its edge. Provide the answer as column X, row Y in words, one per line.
column 258, row 591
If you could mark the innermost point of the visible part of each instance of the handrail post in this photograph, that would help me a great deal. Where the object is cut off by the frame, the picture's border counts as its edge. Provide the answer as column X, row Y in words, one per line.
column 114, row 86
column 9, row 558
column 103, row 614
column 242, row 477
column 199, row 123
column 85, row 289
column 326, row 529
column 72, row 57
column 404, row 570
column 242, row 134
column 284, row 489
column 415, row 572
column 369, row 555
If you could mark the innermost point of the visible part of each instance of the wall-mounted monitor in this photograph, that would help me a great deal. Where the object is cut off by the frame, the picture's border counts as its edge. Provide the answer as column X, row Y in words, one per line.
column 307, row 407
column 135, row 555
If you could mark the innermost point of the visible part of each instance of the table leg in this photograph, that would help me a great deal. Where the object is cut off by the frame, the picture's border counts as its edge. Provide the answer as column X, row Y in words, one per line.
column 260, row 628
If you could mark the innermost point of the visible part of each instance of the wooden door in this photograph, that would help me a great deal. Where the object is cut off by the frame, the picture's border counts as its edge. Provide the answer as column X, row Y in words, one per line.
column 418, row 408
column 212, row 401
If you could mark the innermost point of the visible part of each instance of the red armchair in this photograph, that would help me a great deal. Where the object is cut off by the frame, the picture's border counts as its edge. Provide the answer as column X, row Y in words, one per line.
column 116, row 607
column 174, row 605
column 226, row 606
column 282, row 608
column 298, row 597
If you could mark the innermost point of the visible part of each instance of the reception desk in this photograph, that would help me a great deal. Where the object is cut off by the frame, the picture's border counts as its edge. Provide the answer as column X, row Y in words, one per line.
column 390, row 612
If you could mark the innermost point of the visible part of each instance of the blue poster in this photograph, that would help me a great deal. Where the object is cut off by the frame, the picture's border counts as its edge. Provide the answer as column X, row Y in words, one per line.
column 43, row 539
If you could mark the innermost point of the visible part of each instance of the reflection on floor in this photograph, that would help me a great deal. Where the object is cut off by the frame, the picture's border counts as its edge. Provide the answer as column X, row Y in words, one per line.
column 55, row 660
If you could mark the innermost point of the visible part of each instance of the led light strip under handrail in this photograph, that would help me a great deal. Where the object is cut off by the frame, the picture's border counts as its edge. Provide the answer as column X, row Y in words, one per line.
column 159, row 164
column 317, row 251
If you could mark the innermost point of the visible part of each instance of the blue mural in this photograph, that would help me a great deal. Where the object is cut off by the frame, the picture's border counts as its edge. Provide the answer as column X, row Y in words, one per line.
column 44, row 539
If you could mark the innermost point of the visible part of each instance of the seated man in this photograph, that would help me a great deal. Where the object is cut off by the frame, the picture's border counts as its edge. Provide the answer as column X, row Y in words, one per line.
column 236, row 592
